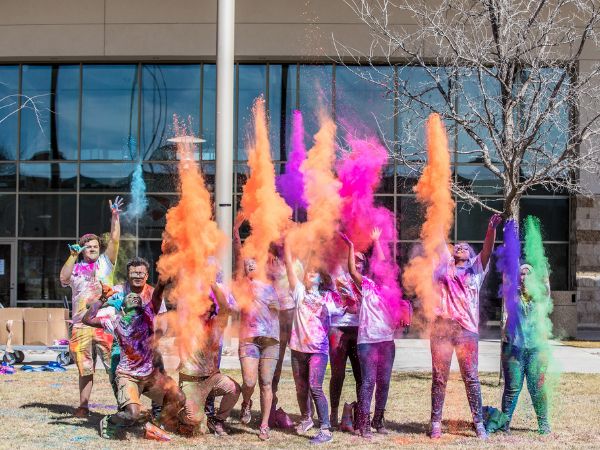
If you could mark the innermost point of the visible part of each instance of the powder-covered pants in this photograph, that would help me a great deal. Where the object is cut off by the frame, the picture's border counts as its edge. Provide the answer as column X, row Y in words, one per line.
column 342, row 346
column 376, row 362
column 286, row 318
column 309, row 372
column 518, row 364
column 446, row 337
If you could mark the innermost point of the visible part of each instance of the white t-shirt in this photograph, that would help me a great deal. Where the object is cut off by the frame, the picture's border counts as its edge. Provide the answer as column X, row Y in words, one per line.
column 312, row 319
column 376, row 322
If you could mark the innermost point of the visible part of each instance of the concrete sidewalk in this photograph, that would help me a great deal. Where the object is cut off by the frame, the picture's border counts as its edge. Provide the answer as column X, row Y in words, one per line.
column 412, row 355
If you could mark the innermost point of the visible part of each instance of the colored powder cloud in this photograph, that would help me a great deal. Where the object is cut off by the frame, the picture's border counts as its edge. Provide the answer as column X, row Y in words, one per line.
column 291, row 184
column 433, row 191
column 190, row 240
column 508, row 263
column 265, row 210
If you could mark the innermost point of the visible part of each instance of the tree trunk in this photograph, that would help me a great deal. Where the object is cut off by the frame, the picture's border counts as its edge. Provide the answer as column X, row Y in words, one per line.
column 511, row 206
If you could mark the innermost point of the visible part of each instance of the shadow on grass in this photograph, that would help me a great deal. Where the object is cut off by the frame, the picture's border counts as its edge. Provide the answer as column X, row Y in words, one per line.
column 61, row 410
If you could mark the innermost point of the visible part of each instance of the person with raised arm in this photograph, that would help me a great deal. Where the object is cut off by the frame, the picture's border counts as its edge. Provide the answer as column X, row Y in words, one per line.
column 456, row 325
column 84, row 271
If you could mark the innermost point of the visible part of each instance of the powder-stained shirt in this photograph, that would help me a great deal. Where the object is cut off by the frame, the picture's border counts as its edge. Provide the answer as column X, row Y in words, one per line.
column 312, row 319
column 524, row 327
column 347, row 298
column 146, row 294
column 459, row 297
column 377, row 322
column 135, row 340
column 260, row 316
column 85, row 285
column 278, row 277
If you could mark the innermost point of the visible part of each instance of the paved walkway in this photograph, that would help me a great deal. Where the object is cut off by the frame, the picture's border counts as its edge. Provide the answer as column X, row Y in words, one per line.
column 411, row 355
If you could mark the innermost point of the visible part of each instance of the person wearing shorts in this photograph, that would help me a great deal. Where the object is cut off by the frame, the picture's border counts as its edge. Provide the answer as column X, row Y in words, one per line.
column 85, row 271
column 136, row 375
column 259, row 344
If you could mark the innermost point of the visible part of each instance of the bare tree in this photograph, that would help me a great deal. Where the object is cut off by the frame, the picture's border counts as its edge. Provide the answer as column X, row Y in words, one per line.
column 509, row 78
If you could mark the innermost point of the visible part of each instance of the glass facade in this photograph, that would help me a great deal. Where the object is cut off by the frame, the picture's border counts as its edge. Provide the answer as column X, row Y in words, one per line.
column 58, row 170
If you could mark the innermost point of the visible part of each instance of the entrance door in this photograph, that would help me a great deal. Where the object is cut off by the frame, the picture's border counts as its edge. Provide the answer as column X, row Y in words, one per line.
column 8, row 292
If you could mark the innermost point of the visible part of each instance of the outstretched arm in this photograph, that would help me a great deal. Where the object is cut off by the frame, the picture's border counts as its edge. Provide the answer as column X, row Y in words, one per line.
column 112, row 249
column 67, row 268
column 490, row 238
column 377, row 250
column 289, row 266
column 357, row 277
column 157, row 295
column 90, row 318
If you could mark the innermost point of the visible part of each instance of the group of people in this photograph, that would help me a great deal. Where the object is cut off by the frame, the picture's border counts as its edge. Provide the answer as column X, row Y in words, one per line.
column 321, row 315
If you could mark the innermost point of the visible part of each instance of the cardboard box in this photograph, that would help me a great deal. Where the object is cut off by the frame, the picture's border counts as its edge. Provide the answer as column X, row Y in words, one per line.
column 35, row 314
column 16, row 315
column 35, row 332
column 57, row 329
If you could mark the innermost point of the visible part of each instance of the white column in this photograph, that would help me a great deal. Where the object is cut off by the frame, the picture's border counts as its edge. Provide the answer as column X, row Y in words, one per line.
column 224, row 132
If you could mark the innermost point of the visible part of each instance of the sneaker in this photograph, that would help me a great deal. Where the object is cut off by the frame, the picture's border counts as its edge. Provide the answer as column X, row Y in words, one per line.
column 217, row 426
column 264, row 433
column 304, row 426
column 480, row 430
column 81, row 412
column 322, row 437
column 378, row 422
column 436, row 430
column 245, row 414
column 107, row 430
column 154, row 433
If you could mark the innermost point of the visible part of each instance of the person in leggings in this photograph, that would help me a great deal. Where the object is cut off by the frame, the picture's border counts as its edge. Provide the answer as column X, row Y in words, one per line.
column 310, row 345
column 378, row 321
column 456, row 325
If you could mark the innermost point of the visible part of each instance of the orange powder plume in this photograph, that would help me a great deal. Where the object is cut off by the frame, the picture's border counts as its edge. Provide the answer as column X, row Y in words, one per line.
column 312, row 239
column 266, row 211
column 433, row 191
column 190, row 238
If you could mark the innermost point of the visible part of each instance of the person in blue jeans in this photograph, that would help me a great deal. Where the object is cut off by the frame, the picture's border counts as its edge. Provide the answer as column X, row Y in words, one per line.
column 524, row 356
column 309, row 343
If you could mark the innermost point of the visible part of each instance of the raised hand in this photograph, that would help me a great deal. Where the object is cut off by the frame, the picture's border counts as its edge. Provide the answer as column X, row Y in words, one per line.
column 495, row 220
column 75, row 249
column 107, row 292
column 344, row 238
column 375, row 234
column 117, row 206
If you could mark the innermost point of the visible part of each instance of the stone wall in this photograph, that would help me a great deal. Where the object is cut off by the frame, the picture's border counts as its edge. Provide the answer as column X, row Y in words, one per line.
column 587, row 259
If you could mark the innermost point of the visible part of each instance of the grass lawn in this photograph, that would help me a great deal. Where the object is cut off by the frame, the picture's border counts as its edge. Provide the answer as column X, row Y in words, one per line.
column 36, row 411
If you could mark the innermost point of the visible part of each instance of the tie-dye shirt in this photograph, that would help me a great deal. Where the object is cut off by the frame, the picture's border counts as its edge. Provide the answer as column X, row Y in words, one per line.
column 85, row 285
column 347, row 298
column 135, row 340
column 377, row 322
column 312, row 319
column 260, row 317
column 459, row 299
column 278, row 277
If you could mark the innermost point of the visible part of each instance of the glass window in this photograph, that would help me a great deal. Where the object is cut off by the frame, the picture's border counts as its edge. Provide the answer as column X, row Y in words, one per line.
column 364, row 107
column 152, row 224
column 109, row 112
column 51, row 130
column 47, row 176
column 406, row 178
column 411, row 216
column 481, row 180
column 553, row 214
column 160, row 177
column 7, row 214
column 168, row 90
column 208, row 172
column 316, row 88
column 106, row 176
column 9, row 106
column 95, row 216
column 282, row 102
column 472, row 220
column 39, row 265
column 387, row 180
column 209, row 111
column 558, row 259
column 151, row 251
column 47, row 215
column 252, row 83
column 8, row 177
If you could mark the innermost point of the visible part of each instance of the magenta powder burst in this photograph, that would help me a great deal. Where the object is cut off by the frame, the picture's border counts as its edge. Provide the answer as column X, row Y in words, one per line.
column 291, row 184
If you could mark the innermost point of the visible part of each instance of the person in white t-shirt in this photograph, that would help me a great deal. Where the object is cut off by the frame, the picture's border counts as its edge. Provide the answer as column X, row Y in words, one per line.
column 309, row 343
column 378, row 320
column 84, row 272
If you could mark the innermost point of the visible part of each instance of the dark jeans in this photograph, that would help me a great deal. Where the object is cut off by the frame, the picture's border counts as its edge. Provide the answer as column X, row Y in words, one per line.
column 447, row 336
column 376, row 362
column 342, row 345
column 309, row 372
column 518, row 364
column 286, row 318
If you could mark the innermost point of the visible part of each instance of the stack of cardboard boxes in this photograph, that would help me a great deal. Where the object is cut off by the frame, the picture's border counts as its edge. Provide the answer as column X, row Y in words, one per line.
column 34, row 326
